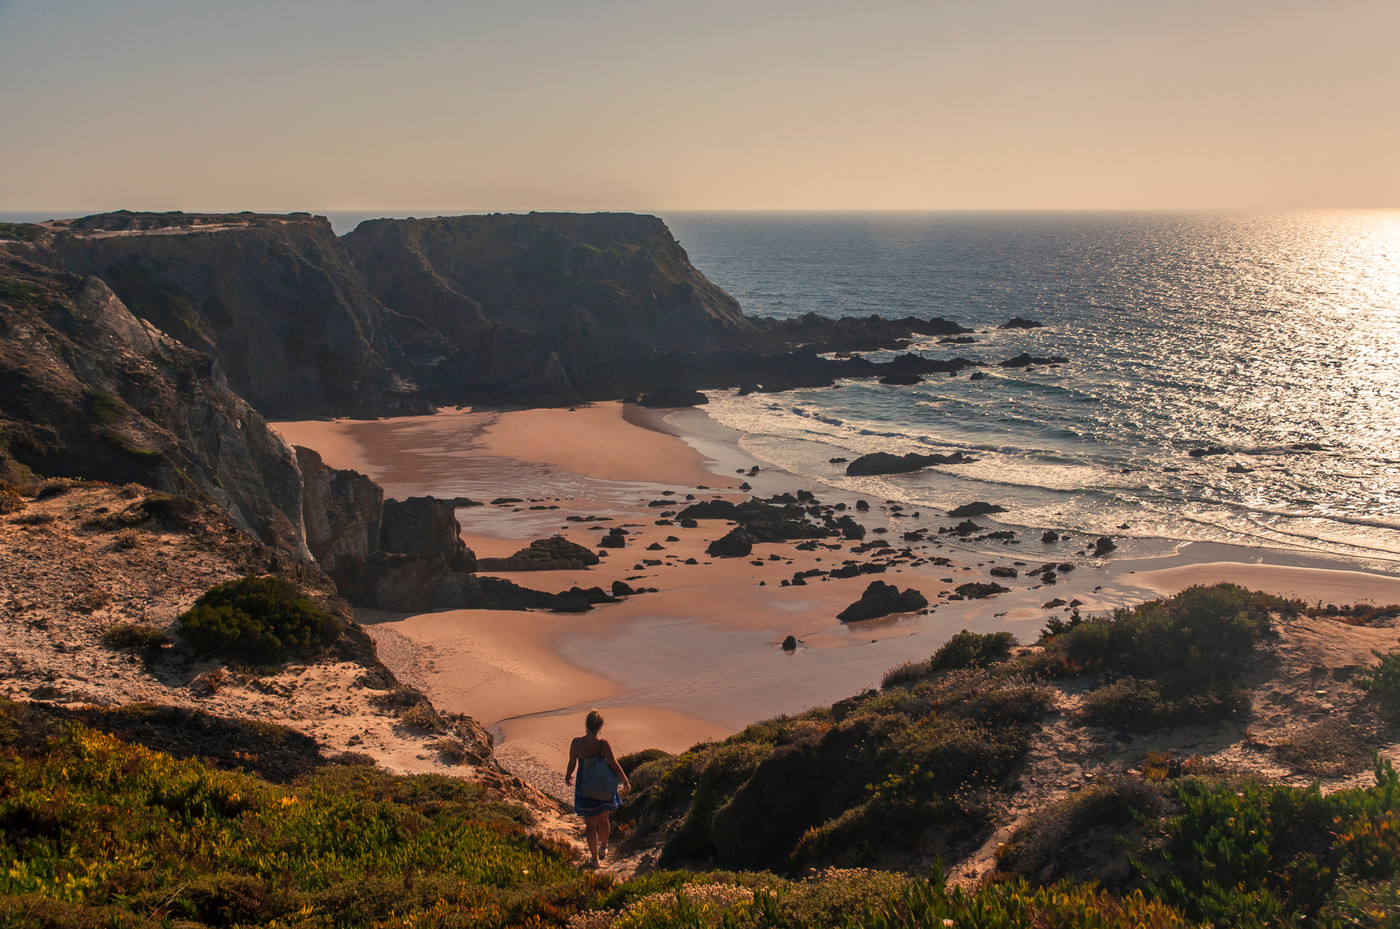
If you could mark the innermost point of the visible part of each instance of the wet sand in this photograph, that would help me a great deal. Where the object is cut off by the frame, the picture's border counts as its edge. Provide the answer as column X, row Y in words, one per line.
column 701, row 657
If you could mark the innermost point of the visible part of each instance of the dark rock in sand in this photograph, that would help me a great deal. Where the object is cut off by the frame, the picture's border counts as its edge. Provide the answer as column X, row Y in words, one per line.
column 622, row 589
column 673, row 396
column 862, row 506
column 765, row 522
column 978, row 508
column 1103, row 546
column 790, row 644
column 849, row 528
column 554, row 553
column 978, row 591
column 1000, row 571
column 881, row 599
column 1049, row 536
column 855, row 570
column 612, row 541
column 885, row 463
column 736, row 544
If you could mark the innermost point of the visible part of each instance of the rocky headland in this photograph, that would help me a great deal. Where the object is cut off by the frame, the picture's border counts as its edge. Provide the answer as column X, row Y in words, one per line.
column 398, row 316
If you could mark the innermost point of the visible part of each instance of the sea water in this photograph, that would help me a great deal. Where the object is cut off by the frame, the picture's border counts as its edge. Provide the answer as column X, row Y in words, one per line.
column 1275, row 336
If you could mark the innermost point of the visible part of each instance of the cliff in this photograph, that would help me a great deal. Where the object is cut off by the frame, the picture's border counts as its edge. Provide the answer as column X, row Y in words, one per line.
column 399, row 315
column 87, row 390
column 548, row 304
column 273, row 298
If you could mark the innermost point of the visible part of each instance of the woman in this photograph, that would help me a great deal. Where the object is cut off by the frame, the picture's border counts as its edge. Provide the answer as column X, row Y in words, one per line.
column 588, row 750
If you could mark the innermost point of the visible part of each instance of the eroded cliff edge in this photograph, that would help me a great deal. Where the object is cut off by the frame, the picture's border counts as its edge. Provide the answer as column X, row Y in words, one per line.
column 401, row 315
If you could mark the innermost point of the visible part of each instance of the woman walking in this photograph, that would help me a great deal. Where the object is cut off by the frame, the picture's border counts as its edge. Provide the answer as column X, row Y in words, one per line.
column 600, row 778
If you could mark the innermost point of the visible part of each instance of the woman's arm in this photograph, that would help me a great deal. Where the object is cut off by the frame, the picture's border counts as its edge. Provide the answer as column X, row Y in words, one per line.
column 573, row 760
column 612, row 763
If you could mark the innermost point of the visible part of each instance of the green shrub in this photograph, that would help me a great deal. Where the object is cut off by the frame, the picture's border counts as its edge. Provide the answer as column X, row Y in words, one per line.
column 11, row 501
column 1045, row 847
column 1383, row 680
column 261, row 619
column 1137, row 705
column 970, row 650
column 1326, row 749
column 423, row 717
column 631, row 762
column 104, row 407
column 171, row 509
column 906, row 672
column 136, row 637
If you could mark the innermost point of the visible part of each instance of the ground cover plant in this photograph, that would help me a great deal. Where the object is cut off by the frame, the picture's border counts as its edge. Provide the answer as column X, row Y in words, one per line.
column 259, row 619
column 1165, row 662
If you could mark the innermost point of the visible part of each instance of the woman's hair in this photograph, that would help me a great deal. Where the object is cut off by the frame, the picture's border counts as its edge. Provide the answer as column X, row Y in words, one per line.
column 594, row 722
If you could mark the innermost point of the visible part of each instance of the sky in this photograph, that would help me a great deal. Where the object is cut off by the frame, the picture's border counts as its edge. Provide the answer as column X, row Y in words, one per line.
column 654, row 105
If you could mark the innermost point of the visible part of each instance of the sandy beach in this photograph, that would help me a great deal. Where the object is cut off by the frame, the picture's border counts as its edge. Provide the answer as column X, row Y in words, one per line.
column 701, row 656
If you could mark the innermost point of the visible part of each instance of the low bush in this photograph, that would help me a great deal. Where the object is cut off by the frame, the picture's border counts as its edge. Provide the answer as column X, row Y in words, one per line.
column 1382, row 681
column 11, row 500
column 1253, row 854
column 260, row 619
column 1327, row 749
column 905, row 673
column 971, row 650
column 1056, row 842
column 136, row 637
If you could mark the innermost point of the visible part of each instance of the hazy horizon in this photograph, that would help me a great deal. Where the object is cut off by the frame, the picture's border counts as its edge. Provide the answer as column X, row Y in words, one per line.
column 665, row 107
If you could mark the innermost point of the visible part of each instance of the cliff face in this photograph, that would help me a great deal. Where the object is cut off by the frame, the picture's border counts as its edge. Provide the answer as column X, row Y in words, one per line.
column 548, row 304
column 88, row 390
column 399, row 315
column 273, row 298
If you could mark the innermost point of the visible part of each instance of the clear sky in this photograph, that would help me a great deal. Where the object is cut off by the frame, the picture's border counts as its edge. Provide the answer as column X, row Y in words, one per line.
column 453, row 105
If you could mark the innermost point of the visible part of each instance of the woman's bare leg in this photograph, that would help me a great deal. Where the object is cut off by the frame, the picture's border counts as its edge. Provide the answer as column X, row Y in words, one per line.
column 602, row 830
column 590, row 832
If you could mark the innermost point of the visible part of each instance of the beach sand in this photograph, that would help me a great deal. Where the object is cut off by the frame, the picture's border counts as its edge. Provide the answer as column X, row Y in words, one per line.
column 701, row 657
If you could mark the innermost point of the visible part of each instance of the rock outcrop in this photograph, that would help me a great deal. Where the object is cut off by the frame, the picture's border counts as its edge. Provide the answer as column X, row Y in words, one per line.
column 885, row 463
column 404, row 555
column 274, row 299
column 881, row 599
column 88, row 390
column 399, row 315
column 555, row 553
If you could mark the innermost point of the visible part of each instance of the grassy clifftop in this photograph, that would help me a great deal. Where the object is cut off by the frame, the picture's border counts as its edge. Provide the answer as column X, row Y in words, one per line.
column 98, row 832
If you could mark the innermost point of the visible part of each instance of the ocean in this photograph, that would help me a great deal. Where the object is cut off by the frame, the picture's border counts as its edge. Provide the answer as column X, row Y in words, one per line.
column 1274, row 337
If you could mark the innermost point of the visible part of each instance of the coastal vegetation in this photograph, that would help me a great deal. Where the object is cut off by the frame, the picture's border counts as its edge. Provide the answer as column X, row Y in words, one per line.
column 260, row 619
column 98, row 829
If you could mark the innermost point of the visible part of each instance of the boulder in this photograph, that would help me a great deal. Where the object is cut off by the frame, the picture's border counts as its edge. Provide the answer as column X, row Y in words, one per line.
column 1025, row 360
column 978, row 508
column 886, row 463
column 555, row 553
column 1103, row 546
column 736, row 544
column 1017, row 322
column 881, row 599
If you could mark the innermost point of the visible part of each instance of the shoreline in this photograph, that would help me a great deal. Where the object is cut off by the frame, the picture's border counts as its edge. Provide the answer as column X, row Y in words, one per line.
column 701, row 657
